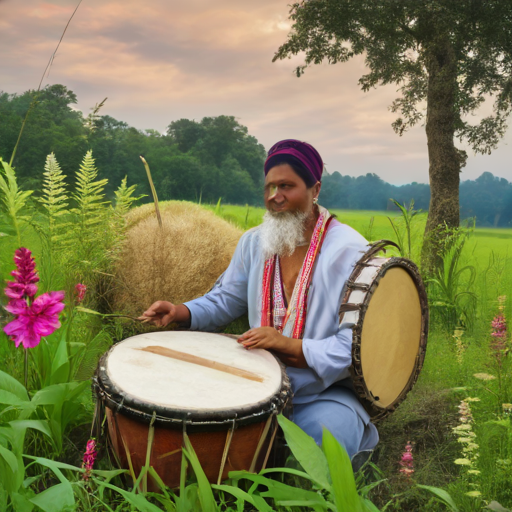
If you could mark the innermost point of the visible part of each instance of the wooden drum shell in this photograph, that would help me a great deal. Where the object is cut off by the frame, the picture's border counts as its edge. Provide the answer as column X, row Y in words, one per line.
column 129, row 435
column 229, row 439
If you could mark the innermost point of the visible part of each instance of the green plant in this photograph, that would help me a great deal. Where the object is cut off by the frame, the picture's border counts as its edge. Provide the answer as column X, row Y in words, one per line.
column 54, row 226
column 13, row 199
column 90, row 211
column 450, row 287
column 404, row 236
column 218, row 206
column 327, row 469
column 368, row 232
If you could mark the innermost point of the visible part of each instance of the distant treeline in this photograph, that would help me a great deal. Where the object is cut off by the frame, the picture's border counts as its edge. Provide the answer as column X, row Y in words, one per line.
column 198, row 160
column 488, row 198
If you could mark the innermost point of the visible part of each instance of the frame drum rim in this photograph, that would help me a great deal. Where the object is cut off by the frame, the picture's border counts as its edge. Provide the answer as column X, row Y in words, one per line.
column 375, row 410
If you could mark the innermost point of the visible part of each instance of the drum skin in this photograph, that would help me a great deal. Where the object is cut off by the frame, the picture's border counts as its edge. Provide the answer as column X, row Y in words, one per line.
column 386, row 306
column 391, row 334
column 149, row 400
column 166, row 452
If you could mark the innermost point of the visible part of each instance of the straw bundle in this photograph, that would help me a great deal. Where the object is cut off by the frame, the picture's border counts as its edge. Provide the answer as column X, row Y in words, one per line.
column 178, row 262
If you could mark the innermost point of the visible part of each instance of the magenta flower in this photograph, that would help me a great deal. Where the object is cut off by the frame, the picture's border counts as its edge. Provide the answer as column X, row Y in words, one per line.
column 499, row 336
column 41, row 318
column 80, row 290
column 25, row 276
column 407, row 461
column 89, row 458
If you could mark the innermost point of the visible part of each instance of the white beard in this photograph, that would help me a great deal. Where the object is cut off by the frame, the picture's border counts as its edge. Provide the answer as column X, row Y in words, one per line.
column 281, row 233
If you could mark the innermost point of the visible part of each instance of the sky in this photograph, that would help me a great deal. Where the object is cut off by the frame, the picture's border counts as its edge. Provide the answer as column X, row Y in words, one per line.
column 161, row 60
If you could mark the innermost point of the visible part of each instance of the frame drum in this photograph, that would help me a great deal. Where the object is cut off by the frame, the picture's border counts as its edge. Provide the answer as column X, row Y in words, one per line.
column 386, row 306
column 157, row 386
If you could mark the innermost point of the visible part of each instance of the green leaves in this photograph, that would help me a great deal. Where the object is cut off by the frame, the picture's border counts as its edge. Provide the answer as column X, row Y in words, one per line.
column 89, row 194
column 452, row 293
column 343, row 483
column 12, row 198
column 11, row 385
column 58, row 498
column 328, row 468
column 53, row 197
column 441, row 495
column 307, row 453
column 404, row 240
column 208, row 503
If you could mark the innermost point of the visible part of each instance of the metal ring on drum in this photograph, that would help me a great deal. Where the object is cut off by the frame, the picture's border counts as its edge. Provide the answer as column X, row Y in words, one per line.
column 204, row 385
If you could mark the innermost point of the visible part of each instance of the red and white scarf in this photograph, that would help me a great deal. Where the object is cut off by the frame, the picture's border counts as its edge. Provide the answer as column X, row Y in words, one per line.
column 291, row 321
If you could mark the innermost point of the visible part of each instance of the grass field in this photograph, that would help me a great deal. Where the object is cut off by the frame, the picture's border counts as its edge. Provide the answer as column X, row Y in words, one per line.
column 375, row 225
column 430, row 412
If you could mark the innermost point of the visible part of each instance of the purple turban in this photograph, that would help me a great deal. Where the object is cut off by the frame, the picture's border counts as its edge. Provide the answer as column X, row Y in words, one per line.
column 301, row 156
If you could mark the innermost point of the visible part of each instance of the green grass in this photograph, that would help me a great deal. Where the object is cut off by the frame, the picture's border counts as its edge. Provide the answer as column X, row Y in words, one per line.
column 482, row 243
column 430, row 411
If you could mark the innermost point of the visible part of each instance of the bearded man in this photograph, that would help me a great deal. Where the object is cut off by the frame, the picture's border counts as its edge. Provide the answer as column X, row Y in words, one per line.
column 288, row 274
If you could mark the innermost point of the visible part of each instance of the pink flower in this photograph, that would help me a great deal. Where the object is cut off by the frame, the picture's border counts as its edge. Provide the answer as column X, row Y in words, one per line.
column 407, row 461
column 499, row 336
column 89, row 458
column 34, row 321
column 25, row 276
column 80, row 290
column 19, row 290
column 407, row 457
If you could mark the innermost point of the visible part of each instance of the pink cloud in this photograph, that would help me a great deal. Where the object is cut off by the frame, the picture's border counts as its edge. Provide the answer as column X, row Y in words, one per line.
column 158, row 61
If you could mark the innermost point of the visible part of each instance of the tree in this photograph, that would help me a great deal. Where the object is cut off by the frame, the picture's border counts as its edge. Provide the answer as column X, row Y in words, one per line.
column 448, row 54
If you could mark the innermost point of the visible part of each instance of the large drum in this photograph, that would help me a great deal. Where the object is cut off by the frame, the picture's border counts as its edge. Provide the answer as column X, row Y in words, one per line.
column 386, row 306
column 155, row 387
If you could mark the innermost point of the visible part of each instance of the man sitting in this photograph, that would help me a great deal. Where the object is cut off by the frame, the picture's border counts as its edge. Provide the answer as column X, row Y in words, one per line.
column 288, row 274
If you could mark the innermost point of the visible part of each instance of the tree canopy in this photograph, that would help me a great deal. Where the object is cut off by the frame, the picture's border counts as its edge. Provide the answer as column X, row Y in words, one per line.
column 445, row 55
column 208, row 159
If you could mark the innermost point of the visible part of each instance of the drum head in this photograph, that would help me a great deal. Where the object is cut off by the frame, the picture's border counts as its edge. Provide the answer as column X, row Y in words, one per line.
column 386, row 306
column 138, row 379
column 391, row 336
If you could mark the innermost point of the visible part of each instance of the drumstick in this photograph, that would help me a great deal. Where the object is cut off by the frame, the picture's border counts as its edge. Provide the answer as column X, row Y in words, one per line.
column 201, row 361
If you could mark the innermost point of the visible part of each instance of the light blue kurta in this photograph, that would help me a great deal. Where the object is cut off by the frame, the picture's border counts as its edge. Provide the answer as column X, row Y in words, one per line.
column 326, row 346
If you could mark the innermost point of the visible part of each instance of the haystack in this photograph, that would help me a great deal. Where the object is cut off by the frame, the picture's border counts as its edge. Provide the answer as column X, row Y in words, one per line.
column 178, row 262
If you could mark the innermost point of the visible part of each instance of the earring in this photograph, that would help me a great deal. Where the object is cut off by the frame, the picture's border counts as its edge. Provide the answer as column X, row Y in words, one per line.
column 315, row 200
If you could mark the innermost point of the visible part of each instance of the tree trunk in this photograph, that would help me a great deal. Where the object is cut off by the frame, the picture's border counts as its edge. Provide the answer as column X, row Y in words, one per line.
column 444, row 158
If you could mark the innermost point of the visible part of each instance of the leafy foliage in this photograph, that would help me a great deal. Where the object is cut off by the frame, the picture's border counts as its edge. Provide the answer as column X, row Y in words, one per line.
column 89, row 197
column 397, row 38
column 452, row 296
column 54, row 199
column 13, row 199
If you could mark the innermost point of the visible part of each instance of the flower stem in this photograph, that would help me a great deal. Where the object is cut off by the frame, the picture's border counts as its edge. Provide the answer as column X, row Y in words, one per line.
column 26, row 369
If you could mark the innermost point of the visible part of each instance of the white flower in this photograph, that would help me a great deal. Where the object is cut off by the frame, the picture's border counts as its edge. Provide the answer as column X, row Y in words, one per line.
column 483, row 376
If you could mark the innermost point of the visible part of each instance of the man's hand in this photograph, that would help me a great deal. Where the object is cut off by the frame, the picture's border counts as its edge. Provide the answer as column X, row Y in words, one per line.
column 263, row 337
column 289, row 350
column 160, row 313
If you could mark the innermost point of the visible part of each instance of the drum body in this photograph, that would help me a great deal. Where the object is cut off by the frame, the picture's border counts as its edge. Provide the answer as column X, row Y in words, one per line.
column 386, row 306
column 157, row 387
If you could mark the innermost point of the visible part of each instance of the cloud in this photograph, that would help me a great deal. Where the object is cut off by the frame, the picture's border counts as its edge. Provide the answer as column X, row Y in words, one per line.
column 158, row 61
